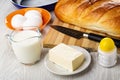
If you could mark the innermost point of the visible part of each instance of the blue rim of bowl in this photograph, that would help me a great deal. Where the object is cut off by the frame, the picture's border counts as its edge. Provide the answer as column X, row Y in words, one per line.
column 49, row 7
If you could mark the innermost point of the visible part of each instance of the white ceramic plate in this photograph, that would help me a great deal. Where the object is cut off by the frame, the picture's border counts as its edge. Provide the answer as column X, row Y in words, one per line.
column 52, row 67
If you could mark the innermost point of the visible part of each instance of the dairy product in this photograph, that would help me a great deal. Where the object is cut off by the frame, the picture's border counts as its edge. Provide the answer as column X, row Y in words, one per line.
column 26, row 46
column 66, row 57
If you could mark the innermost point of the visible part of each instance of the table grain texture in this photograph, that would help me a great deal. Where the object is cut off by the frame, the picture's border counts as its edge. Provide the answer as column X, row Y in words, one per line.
column 12, row 69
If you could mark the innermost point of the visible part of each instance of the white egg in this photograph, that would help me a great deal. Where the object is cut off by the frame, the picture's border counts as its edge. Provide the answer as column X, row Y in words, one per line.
column 32, row 13
column 32, row 22
column 17, row 20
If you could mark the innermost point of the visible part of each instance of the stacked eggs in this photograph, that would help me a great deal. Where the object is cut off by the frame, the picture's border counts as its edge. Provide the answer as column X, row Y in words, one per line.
column 30, row 19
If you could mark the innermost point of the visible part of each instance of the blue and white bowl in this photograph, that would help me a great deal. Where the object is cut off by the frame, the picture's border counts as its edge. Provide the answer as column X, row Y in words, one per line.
column 46, row 4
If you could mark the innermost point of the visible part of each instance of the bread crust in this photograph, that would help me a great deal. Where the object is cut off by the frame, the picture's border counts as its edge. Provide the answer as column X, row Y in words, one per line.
column 98, row 15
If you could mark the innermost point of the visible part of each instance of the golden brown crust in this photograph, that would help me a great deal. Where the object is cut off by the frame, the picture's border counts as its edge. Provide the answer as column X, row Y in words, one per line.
column 98, row 15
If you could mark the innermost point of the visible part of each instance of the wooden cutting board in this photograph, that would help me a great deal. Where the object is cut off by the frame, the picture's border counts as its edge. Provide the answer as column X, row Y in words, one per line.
column 54, row 37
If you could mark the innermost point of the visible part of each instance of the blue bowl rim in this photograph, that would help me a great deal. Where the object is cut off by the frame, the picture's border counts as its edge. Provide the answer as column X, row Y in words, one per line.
column 42, row 6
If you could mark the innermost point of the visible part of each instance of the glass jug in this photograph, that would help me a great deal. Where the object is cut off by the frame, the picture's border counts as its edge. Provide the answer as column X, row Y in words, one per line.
column 27, row 45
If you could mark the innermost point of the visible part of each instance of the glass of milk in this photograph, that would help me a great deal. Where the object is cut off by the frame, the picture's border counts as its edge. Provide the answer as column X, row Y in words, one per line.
column 27, row 45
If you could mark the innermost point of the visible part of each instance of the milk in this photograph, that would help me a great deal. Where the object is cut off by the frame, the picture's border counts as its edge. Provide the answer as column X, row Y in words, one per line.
column 26, row 46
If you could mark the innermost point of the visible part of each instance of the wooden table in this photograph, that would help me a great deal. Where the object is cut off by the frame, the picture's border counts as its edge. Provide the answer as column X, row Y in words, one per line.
column 12, row 69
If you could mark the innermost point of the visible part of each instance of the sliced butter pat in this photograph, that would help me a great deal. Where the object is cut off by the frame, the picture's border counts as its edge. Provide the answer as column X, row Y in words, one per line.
column 66, row 57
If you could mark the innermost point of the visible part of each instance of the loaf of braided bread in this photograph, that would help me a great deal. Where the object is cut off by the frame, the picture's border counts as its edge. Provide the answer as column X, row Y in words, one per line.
column 98, row 15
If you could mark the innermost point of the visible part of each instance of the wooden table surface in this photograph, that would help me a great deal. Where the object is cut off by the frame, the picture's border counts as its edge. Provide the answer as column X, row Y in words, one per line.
column 12, row 69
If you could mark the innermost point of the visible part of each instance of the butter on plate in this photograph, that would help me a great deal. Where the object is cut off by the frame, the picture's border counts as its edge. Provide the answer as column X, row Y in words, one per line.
column 66, row 57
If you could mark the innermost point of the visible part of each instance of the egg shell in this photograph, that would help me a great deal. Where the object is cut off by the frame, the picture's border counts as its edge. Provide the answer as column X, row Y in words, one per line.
column 32, row 13
column 33, row 22
column 18, row 20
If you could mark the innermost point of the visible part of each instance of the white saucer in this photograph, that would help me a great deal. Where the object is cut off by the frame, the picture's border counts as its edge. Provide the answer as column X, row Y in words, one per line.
column 52, row 67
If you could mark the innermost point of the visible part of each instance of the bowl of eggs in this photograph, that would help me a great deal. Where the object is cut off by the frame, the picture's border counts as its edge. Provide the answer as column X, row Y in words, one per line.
column 27, row 18
column 46, row 4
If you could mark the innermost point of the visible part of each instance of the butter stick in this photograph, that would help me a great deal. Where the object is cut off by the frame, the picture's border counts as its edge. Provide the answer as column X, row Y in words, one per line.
column 66, row 57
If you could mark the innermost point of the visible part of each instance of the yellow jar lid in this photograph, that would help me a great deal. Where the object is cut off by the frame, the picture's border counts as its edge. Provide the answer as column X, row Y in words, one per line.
column 106, row 44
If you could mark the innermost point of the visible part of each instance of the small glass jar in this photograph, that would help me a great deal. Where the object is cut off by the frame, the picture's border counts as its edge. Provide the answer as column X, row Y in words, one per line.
column 107, row 59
